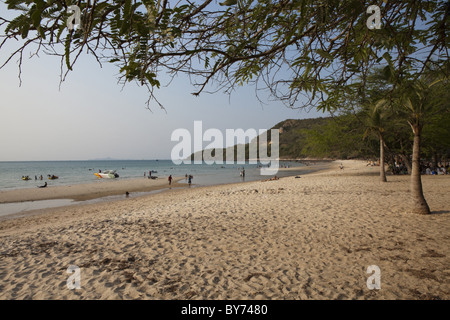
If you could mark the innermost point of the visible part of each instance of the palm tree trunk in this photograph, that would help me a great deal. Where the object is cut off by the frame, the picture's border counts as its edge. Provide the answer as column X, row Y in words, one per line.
column 382, row 171
column 419, row 204
column 407, row 162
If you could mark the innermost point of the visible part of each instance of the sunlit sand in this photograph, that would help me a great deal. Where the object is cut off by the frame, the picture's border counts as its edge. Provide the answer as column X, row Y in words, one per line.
column 311, row 237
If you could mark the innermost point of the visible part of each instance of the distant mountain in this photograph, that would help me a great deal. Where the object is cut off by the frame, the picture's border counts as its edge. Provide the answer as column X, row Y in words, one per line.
column 292, row 138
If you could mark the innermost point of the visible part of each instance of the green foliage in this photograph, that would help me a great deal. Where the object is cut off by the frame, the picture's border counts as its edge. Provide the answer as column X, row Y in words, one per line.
column 436, row 135
column 339, row 138
column 323, row 46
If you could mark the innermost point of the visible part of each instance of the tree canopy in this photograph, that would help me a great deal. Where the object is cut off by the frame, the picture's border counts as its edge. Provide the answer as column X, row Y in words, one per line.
column 292, row 49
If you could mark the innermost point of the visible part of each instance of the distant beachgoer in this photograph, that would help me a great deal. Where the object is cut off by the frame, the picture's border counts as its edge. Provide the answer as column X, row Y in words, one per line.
column 170, row 179
column 271, row 179
column 190, row 180
column 41, row 177
column 341, row 166
column 149, row 173
column 127, row 194
column 35, row 177
column 185, row 176
column 43, row 185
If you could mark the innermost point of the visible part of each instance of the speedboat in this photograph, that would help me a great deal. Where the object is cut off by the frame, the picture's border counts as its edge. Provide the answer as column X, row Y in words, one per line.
column 107, row 174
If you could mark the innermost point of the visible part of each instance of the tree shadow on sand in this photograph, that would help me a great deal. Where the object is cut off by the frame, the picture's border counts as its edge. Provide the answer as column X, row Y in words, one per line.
column 440, row 212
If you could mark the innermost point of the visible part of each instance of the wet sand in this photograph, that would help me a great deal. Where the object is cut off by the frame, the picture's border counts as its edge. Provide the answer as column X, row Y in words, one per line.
column 87, row 191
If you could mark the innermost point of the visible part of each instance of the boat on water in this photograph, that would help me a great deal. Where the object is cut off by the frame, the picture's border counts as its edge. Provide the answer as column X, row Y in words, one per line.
column 108, row 174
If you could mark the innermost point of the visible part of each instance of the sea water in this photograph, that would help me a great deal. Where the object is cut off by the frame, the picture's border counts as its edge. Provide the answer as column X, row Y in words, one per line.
column 76, row 172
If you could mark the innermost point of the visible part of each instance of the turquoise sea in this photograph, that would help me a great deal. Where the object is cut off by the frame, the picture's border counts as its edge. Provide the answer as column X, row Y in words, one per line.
column 75, row 172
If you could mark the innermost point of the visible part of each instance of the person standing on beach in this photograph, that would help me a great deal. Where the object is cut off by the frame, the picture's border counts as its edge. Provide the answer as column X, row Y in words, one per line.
column 170, row 180
column 190, row 180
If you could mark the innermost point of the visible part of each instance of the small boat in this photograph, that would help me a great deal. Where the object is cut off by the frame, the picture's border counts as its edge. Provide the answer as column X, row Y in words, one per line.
column 108, row 174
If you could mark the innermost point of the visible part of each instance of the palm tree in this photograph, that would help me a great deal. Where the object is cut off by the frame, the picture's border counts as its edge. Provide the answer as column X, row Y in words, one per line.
column 415, row 100
column 375, row 111
column 420, row 99
column 375, row 117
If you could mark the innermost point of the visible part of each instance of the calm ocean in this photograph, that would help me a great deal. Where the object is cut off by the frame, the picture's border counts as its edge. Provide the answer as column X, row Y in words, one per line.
column 75, row 172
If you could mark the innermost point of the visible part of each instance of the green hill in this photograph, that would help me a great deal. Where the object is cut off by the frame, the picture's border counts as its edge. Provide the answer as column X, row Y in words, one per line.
column 319, row 138
column 346, row 137
column 293, row 135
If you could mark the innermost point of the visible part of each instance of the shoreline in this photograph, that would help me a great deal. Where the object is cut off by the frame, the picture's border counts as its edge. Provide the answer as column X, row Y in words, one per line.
column 87, row 191
column 308, row 238
column 105, row 190
column 109, row 187
column 319, row 167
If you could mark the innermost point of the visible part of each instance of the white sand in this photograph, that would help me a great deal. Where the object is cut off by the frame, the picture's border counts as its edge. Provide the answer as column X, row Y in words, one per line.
column 306, row 238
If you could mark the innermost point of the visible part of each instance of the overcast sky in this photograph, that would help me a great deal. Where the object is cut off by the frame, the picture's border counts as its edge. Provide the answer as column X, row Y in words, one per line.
column 91, row 116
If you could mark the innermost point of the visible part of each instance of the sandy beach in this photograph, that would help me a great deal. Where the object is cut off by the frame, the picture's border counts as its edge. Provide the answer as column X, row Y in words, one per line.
column 86, row 191
column 311, row 237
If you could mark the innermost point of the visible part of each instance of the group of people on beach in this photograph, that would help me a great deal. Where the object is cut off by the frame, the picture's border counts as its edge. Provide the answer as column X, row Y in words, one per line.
column 150, row 174
column 435, row 170
column 50, row 176
column 186, row 176
column 36, row 177
column 425, row 168
column 398, row 168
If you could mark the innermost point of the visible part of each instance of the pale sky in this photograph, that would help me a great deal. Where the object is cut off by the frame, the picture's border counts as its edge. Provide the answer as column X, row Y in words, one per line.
column 92, row 117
